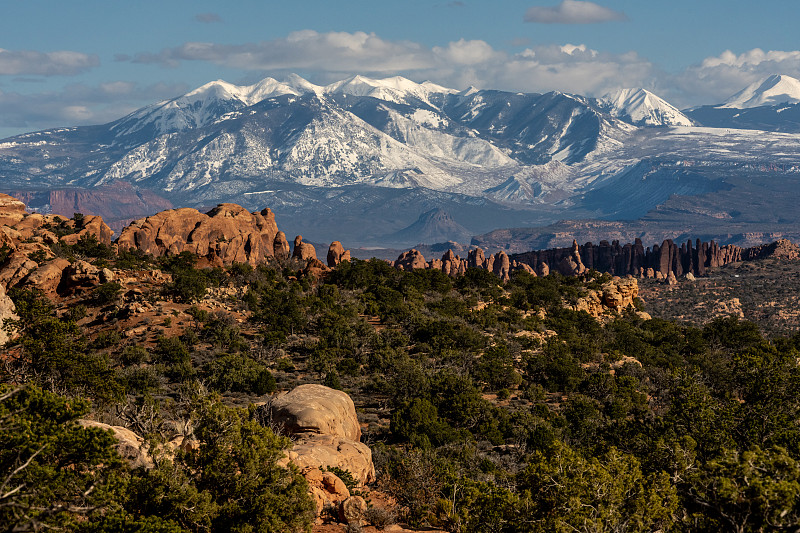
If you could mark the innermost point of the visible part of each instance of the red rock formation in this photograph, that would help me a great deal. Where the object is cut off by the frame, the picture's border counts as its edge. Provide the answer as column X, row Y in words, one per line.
column 12, row 211
column 410, row 260
column 572, row 265
column 452, row 265
column 780, row 249
column 280, row 246
column 501, row 265
column 476, row 259
column 226, row 234
column 337, row 254
column 303, row 250
column 657, row 261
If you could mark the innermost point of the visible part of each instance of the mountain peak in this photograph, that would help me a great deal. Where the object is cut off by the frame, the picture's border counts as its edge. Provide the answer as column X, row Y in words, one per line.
column 432, row 226
column 395, row 89
column 642, row 108
column 775, row 89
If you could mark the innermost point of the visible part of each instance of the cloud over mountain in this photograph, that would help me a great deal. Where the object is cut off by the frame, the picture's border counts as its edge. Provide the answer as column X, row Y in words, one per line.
column 59, row 63
column 327, row 56
column 80, row 104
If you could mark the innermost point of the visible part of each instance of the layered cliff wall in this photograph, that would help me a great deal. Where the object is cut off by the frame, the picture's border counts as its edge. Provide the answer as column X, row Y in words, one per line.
column 656, row 261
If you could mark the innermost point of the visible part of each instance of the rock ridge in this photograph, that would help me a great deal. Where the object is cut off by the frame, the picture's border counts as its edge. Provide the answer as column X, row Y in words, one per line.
column 658, row 261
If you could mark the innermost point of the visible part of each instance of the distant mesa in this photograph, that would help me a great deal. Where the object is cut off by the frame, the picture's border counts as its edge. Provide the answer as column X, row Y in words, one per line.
column 118, row 203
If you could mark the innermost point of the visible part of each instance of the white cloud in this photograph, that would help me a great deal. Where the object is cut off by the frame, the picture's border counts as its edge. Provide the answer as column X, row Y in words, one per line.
column 463, row 52
column 59, row 63
column 335, row 55
column 324, row 57
column 306, row 49
column 79, row 104
column 573, row 12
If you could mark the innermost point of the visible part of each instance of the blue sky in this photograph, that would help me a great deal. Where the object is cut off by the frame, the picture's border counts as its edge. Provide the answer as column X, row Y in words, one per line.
column 87, row 62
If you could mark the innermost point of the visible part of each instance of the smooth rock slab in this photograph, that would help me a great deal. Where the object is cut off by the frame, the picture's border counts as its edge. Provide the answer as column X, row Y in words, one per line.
column 317, row 409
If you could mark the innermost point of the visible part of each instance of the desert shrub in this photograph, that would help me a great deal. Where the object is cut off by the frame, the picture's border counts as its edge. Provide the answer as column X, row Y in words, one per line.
column 234, row 482
column 106, row 339
column 238, row 373
column 140, row 380
column 134, row 355
column 54, row 353
column 88, row 245
column 133, row 258
column 106, row 293
column 57, row 474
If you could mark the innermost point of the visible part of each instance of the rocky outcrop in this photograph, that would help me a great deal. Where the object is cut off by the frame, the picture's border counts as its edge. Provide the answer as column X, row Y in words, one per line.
column 780, row 249
column 476, row 259
column 12, row 211
column 24, row 234
column 6, row 311
column 83, row 275
column 451, row 264
column 612, row 298
column 324, row 451
column 317, row 409
column 325, row 427
column 572, row 265
column 226, row 234
column 280, row 246
column 89, row 225
column 633, row 259
column 118, row 203
column 325, row 489
column 48, row 276
column 454, row 266
column 337, row 254
column 303, row 250
column 410, row 260
column 131, row 447
column 314, row 269
column 326, row 433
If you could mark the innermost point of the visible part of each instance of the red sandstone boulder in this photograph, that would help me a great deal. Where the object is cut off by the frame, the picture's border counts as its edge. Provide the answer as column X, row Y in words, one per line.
column 410, row 260
column 226, row 234
column 317, row 409
column 48, row 276
column 12, row 211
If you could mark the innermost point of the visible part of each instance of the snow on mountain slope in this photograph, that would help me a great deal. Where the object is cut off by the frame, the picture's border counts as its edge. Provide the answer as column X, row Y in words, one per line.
column 642, row 108
column 314, row 143
column 396, row 89
column 776, row 89
column 337, row 148
column 421, row 129
column 200, row 107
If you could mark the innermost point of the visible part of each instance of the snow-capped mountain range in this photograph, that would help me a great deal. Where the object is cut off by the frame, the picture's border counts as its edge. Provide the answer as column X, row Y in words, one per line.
column 353, row 147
